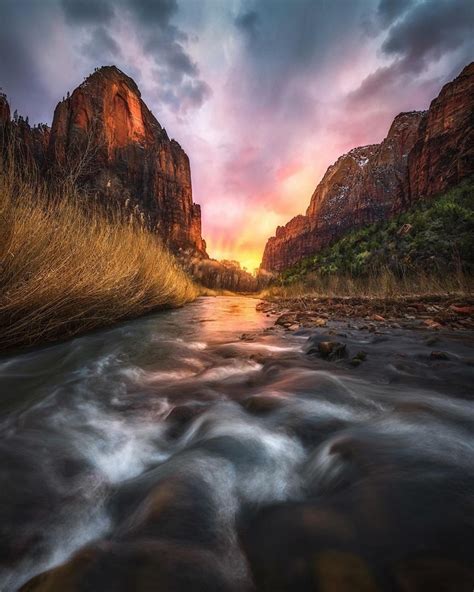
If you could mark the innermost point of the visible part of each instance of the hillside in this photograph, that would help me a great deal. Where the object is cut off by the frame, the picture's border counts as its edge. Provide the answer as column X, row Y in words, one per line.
column 434, row 237
column 423, row 154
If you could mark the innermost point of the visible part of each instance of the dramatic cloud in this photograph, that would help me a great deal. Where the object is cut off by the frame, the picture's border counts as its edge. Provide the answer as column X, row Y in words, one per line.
column 22, row 44
column 177, row 74
column 154, row 12
column 81, row 12
column 430, row 30
column 262, row 94
column 390, row 10
column 102, row 46
column 248, row 22
column 427, row 45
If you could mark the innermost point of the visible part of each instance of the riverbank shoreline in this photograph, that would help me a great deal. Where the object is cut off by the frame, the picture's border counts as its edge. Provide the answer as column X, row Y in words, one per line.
column 453, row 311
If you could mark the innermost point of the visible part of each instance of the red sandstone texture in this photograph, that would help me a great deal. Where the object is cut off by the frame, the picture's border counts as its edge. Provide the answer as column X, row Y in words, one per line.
column 109, row 142
column 423, row 154
column 444, row 152
column 132, row 161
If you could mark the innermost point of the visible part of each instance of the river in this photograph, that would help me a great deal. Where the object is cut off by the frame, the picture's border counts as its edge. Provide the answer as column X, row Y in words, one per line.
column 204, row 449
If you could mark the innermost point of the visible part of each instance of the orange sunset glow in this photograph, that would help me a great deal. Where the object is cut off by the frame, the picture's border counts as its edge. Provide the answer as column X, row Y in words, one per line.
column 262, row 118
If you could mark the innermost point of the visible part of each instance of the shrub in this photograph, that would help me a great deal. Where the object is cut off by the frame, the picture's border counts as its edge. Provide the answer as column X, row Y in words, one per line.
column 66, row 269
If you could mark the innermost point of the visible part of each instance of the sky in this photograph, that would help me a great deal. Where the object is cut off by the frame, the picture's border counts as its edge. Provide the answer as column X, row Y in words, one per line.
column 263, row 95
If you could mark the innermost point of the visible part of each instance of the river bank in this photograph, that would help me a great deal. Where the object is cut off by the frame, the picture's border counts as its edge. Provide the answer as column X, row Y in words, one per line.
column 455, row 312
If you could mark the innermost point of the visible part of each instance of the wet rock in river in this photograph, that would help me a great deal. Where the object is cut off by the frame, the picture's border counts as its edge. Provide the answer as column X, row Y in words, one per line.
column 141, row 565
column 360, row 357
column 333, row 548
column 332, row 350
column 285, row 320
column 439, row 355
column 327, row 349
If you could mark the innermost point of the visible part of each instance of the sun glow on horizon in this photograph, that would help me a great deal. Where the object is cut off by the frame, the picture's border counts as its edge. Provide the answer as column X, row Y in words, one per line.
column 249, row 260
column 294, row 185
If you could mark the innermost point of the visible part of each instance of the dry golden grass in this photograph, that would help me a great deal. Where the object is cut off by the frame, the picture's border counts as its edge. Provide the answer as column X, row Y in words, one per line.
column 65, row 270
column 381, row 285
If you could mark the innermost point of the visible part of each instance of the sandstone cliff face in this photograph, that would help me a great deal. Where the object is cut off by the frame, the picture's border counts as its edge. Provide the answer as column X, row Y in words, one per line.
column 423, row 153
column 30, row 143
column 367, row 184
column 107, row 138
column 444, row 151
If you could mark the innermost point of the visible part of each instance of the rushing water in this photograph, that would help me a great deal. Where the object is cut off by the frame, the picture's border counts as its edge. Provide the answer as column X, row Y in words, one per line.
column 182, row 457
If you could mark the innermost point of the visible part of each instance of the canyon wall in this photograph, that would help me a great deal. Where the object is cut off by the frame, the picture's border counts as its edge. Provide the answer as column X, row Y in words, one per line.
column 424, row 153
column 122, row 155
column 106, row 140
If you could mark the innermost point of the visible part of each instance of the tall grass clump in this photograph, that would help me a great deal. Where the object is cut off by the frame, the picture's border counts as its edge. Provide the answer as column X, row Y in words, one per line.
column 66, row 268
column 383, row 283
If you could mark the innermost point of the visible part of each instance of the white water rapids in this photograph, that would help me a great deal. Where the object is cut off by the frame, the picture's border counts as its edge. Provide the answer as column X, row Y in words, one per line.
column 185, row 457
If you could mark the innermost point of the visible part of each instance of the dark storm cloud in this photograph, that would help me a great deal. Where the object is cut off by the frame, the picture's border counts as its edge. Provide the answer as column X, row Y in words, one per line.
column 153, row 12
column 248, row 22
column 288, row 41
column 192, row 94
column 21, row 36
column 83, row 12
column 101, row 46
column 178, row 81
column 178, row 78
column 18, row 76
column 389, row 11
column 172, row 60
column 293, row 35
column 195, row 92
column 427, row 32
column 92, row 38
column 383, row 79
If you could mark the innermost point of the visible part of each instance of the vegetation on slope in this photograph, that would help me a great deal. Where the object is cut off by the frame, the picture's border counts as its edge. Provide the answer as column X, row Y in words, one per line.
column 428, row 248
column 66, row 270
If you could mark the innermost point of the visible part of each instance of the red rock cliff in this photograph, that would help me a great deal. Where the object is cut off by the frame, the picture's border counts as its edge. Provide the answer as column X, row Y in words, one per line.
column 423, row 153
column 106, row 137
column 444, row 151
column 365, row 185
column 30, row 143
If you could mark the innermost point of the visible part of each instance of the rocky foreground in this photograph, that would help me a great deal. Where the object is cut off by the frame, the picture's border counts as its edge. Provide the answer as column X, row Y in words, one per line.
column 373, row 314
